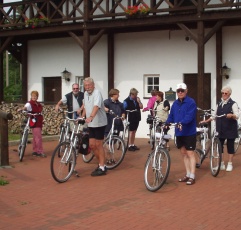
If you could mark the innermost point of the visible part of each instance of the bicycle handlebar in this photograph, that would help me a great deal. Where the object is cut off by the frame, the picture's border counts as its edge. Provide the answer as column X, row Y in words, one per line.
column 153, row 110
column 131, row 111
column 30, row 113
column 66, row 111
column 204, row 110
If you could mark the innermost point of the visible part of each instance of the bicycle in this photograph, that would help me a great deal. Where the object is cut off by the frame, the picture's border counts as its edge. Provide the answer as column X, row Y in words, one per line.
column 158, row 163
column 153, row 122
column 114, row 146
column 126, row 132
column 212, row 147
column 25, row 132
column 65, row 127
column 114, row 149
column 63, row 160
column 237, row 141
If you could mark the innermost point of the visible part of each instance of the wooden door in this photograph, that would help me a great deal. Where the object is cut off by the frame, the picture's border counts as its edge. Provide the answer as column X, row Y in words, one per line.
column 191, row 81
column 52, row 89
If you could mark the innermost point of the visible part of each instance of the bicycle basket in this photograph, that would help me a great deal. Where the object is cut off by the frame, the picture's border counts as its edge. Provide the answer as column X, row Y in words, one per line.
column 149, row 119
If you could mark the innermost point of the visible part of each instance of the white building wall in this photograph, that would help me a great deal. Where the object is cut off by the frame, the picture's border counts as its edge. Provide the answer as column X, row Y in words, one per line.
column 161, row 52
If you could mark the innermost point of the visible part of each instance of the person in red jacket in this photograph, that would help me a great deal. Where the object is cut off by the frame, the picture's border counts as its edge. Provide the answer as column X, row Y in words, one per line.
column 34, row 106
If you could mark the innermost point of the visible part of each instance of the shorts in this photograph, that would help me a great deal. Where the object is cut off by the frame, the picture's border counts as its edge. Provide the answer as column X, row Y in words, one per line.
column 189, row 142
column 133, row 126
column 230, row 145
column 97, row 132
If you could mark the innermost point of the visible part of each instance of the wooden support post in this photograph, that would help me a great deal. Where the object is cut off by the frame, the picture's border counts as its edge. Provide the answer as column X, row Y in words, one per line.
column 110, row 61
column 200, row 80
column 4, row 154
column 219, row 55
column 1, row 76
column 201, row 63
column 86, row 45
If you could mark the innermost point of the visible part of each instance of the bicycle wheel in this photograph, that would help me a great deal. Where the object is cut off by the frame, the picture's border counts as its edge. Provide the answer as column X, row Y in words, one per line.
column 236, row 144
column 89, row 157
column 199, row 157
column 175, row 140
column 157, row 169
column 114, row 149
column 62, row 133
column 152, row 139
column 63, row 162
column 215, row 157
column 125, row 137
column 22, row 145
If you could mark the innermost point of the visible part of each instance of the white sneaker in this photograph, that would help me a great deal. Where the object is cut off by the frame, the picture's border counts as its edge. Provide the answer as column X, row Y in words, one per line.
column 222, row 167
column 229, row 167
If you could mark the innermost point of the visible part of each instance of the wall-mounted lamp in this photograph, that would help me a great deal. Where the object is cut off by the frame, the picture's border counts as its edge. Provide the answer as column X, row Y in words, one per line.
column 66, row 75
column 188, row 38
column 225, row 71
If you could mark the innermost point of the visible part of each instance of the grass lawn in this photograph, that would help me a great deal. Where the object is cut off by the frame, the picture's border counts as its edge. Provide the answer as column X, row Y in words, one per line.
column 14, row 137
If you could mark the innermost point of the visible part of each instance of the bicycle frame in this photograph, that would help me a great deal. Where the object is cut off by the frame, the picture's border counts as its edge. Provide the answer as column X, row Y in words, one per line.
column 158, row 163
column 214, row 147
column 153, row 128
column 24, row 138
column 65, row 127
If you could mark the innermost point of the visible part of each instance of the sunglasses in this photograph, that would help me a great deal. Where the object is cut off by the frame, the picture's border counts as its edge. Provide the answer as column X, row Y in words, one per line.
column 224, row 93
column 75, row 88
column 180, row 90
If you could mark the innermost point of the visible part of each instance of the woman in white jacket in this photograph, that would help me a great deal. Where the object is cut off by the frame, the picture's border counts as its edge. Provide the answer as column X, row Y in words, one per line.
column 162, row 108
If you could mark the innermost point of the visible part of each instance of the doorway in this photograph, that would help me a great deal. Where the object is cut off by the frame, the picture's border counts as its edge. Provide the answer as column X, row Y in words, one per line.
column 52, row 89
column 191, row 82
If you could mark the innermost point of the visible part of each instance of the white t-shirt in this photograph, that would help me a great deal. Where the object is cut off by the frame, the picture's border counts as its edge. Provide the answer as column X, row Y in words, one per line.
column 91, row 100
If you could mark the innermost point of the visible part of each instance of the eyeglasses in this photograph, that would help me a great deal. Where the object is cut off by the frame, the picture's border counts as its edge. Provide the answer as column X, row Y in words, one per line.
column 75, row 88
column 224, row 93
column 180, row 90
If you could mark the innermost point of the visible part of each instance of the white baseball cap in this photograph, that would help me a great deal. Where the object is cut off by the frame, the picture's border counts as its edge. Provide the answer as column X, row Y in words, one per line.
column 181, row 86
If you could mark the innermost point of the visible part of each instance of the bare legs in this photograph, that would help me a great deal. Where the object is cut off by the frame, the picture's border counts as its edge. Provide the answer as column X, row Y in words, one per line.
column 189, row 161
column 97, row 147
column 132, row 137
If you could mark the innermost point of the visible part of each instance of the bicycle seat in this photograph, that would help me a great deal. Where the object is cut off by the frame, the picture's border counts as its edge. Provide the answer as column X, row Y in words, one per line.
column 203, row 125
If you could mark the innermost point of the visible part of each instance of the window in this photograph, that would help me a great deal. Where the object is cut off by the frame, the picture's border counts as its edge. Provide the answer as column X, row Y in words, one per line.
column 151, row 81
column 80, row 81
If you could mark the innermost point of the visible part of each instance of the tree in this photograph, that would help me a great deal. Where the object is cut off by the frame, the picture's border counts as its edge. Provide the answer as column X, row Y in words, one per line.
column 13, row 91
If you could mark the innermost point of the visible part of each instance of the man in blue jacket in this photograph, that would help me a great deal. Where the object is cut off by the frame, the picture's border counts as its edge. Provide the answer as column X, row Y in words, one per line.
column 183, row 112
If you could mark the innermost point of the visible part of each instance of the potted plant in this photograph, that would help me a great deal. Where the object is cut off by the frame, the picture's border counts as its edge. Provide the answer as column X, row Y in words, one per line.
column 36, row 22
column 137, row 11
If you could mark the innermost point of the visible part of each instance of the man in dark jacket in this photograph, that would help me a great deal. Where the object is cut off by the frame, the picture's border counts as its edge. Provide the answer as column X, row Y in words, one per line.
column 73, row 100
column 133, row 103
column 113, row 104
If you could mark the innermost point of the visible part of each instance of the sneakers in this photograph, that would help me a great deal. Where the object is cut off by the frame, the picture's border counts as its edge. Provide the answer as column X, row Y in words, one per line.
column 98, row 172
column 135, row 147
column 222, row 167
column 131, row 148
column 38, row 154
column 35, row 154
column 229, row 167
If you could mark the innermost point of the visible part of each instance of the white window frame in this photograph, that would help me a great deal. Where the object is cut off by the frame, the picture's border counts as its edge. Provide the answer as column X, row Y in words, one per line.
column 147, row 94
column 80, row 81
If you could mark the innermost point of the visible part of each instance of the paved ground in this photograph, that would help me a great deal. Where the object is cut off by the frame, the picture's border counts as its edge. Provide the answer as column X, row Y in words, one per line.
column 119, row 200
